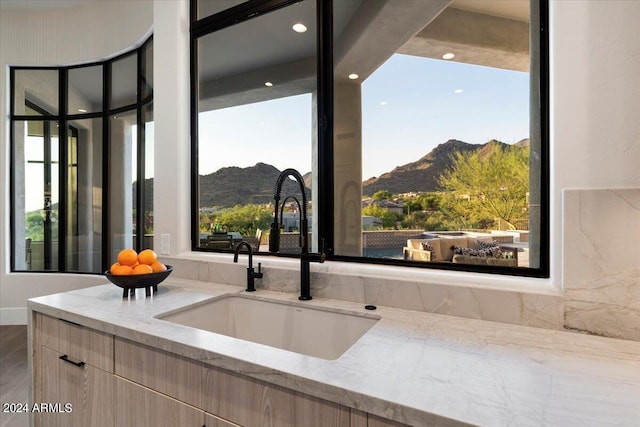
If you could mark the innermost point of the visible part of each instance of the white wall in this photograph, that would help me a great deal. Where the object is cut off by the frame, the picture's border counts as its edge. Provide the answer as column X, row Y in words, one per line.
column 172, row 194
column 596, row 164
column 78, row 34
column 595, row 135
column 596, row 94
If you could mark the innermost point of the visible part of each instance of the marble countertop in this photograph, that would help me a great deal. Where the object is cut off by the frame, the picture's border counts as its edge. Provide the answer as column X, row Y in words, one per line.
column 412, row 367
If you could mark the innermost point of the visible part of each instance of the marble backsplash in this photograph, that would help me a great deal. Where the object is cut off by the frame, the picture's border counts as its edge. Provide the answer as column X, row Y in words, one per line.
column 602, row 262
column 601, row 281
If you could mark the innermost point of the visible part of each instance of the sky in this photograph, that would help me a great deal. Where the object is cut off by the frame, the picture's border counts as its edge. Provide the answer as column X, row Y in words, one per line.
column 409, row 106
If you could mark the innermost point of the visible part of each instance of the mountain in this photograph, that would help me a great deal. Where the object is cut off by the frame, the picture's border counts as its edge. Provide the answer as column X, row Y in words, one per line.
column 423, row 174
column 232, row 186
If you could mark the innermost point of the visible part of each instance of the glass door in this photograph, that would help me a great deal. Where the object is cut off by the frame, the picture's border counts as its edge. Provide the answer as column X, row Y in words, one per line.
column 41, row 203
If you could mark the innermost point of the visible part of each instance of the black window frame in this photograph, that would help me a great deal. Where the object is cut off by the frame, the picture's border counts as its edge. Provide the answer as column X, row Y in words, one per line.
column 325, row 155
column 63, row 118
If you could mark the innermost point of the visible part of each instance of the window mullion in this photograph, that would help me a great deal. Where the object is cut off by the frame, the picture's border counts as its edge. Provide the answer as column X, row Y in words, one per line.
column 106, row 162
column 325, row 126
column 63, row 174
column 140, row 167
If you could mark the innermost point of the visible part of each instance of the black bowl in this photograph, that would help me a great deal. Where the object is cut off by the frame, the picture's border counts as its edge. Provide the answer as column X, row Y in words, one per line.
column 139, row 280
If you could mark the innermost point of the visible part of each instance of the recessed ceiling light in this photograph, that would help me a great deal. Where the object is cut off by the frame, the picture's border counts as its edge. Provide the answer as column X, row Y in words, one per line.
column 268, row 84
column 448, row 55
column 383, row 102
column 299, row 28
column 82, row 110
column 353, row 76
column 458, row 91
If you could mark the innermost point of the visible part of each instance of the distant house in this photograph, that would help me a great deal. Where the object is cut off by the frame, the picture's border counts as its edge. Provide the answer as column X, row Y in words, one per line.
column 369, row 222
column 291, row 221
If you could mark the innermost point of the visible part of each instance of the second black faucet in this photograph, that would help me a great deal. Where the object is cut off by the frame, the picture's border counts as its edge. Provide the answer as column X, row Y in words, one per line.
column 251, row 273
column 274, row 236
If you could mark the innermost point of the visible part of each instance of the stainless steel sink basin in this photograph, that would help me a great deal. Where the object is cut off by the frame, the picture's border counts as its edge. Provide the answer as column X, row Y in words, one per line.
column 296, row 327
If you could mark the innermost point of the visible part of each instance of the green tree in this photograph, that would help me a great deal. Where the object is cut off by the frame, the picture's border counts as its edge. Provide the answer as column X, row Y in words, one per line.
column 424, row 211
column 246, row 219
column 430, row 202
column 490, row 184
column 207, row 220
column 411, row 205
column 382, row 195
column 388, row 218
column 461, row 212
column 34, row 226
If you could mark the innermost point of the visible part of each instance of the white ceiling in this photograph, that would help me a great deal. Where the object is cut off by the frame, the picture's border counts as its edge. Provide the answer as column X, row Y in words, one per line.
column 234, row 52
column 510, row 9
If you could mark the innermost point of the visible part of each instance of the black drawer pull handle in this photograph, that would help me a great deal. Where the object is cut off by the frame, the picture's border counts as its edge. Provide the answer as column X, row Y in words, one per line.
column 65, row 358
column 70, row 322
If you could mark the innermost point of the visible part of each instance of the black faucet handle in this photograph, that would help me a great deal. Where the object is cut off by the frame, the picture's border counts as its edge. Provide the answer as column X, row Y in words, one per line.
column 315, row 257
column 274, row 237
column 258, row 275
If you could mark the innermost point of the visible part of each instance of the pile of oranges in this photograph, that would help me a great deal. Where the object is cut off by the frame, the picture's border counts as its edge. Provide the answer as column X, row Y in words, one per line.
column 130, row 262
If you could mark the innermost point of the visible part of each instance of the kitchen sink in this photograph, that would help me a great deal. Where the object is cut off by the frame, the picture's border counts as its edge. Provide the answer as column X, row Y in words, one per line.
column 293, row 326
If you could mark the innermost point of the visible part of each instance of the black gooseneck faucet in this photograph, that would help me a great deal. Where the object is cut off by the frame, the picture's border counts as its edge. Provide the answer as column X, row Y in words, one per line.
column 274, row 236
column 251, row 274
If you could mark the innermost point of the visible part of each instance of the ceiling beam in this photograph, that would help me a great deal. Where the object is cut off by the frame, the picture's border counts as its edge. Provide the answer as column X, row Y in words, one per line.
column 377, row 30
column 474, row 38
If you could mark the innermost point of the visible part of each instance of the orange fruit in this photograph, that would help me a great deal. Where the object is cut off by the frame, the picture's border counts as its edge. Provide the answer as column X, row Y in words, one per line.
column 148, row 256
column 123, row 270
column 127, row 257
column 157, row 267
column 113, row 267
column 142, row 269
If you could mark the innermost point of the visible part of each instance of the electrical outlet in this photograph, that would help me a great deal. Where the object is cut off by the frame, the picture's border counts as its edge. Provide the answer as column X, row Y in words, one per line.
column 165, row 244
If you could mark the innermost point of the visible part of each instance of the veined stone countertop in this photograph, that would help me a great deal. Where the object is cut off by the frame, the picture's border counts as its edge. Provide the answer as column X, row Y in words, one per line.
column 412, row 367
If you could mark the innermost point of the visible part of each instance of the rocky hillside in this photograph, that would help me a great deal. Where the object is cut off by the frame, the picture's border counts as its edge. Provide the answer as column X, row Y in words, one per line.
column 423, row 174
column 232, row 186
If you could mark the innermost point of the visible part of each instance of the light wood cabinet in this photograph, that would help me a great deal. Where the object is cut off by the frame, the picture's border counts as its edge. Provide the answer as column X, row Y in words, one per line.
column 213, row 421
column 375, row 421
column 167, row 373
column 68, row 390
column 251, row 402
column 93, row 347
column 232, row 397
column 141, row 407
column 111, row 382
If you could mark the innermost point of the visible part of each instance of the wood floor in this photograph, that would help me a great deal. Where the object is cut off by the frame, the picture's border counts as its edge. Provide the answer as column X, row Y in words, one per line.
column 14, row 376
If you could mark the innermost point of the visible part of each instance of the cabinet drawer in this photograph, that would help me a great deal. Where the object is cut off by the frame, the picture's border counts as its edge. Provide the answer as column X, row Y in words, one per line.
column 164, row 372
column 140, row 407
column 92, row 347
column 250, row 402
column 233, row 397
column 73, row 394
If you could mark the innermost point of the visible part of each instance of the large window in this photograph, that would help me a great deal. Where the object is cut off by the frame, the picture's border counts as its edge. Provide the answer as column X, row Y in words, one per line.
column 255, row 103
column 420, row 128
column 78, row 137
